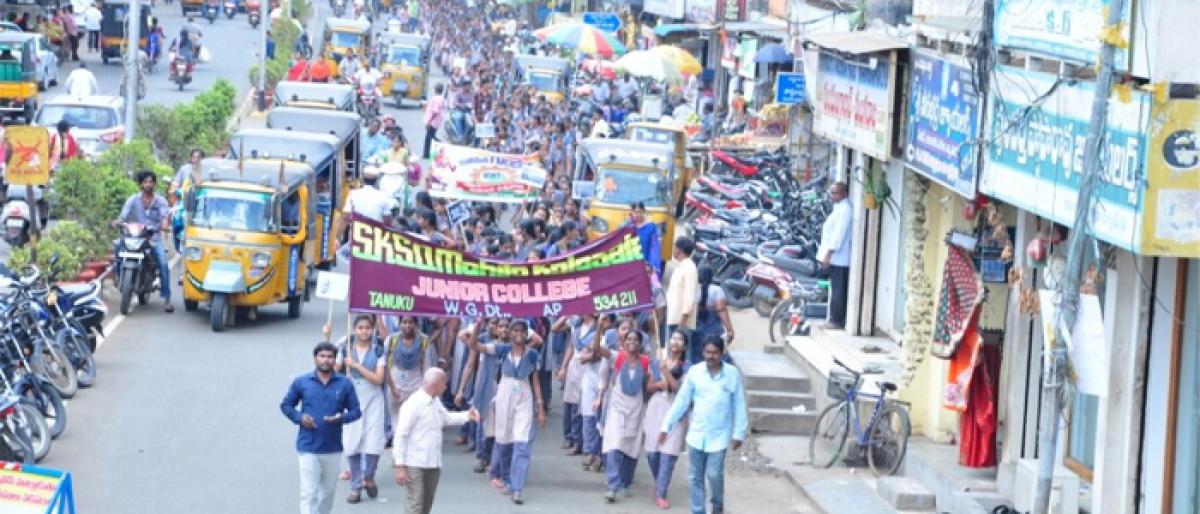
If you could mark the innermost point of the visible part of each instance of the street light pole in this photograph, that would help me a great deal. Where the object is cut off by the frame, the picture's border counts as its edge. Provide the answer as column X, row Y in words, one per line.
column 1053, row 396
column 133, row 31
column 265, row 21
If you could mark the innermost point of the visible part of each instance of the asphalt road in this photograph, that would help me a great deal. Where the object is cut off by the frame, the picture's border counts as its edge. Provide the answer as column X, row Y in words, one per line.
column 184, row 420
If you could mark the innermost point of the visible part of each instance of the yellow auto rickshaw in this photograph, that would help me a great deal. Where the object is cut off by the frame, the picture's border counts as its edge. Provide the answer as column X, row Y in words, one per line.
column 335, row 175
column 623, row 173
column 314, row 95
column 18, row 75
column 112, row 28
column 405, row 64
column 548, row 75
column 343, row 35
column 671, row 137
column 248, row 236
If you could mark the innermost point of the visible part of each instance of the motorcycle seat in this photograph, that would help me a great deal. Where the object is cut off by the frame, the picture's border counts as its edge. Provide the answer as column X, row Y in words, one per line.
column 78, row 290
column 804, row 267
column 735, row 163
column 733, row 192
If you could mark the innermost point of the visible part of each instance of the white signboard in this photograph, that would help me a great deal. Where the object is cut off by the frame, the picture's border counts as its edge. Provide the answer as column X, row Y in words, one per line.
column 667, row 8
column 854, row 103
column 1067, row 29
column 332, row 286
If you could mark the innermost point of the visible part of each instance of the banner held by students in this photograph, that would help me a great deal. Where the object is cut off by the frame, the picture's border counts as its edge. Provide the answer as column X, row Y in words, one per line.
column 398, row 273
column 465, row 173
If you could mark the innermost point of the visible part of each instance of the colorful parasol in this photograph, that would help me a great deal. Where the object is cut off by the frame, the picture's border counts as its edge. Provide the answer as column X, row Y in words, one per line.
column 650, row 64
column 585, row 38
column 600, row 68
column 683, row 60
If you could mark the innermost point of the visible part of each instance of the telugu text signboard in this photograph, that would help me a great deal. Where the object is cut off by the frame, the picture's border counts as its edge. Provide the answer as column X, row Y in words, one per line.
column 789, row 88
column 1035, row 156
column 397, row 273
column 605, row 21
column 943, row 124
column 854, row 103
column 473, row 174
column 35, row 490
column 1067, row 29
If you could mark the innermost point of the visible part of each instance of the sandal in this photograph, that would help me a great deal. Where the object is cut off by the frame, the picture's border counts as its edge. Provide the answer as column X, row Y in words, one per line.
column 354, row 497
column 169, row 308
column 371, row 488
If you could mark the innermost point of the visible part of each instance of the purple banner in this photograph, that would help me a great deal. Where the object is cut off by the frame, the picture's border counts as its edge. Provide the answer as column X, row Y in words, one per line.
column 399, row 273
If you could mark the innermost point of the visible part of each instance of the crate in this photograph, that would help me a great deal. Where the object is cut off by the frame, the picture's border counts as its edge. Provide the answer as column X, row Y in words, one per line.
column 839, row 384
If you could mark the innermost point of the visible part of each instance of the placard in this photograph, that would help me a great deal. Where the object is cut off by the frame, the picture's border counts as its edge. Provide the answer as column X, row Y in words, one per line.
column 332, row 286
column 458, row 211
column 606, row 21
column 790, row 88
column 943, row 123
column 29, row 157
column 466, row 173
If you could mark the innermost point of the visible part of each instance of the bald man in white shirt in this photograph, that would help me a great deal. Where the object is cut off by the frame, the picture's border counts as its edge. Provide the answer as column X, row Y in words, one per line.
column 834, row 253
column 417, row 444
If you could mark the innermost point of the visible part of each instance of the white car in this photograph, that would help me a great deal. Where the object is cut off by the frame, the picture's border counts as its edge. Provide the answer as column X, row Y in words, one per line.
column 96, row 121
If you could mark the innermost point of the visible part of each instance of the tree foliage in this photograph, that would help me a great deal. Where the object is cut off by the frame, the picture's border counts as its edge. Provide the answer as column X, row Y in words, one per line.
column 175, row 131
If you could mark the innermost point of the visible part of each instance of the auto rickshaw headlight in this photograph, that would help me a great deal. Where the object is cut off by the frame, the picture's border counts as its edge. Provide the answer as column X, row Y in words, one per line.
column 260, row 259
column 193, row 253
column 599, row 225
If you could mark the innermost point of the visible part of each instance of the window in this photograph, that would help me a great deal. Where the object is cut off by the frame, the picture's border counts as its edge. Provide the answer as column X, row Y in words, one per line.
column 345, row 39
column 405, row 55
column 544, row 81
column 1085, row 419
column 79, row 116
column 233, row 210
column 624, row 187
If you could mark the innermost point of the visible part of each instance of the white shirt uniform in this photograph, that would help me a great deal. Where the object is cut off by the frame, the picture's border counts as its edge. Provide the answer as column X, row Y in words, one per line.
column 92, row 17
column 369, row 202
column 418, row 439
column 835, row 234
column 81, row 82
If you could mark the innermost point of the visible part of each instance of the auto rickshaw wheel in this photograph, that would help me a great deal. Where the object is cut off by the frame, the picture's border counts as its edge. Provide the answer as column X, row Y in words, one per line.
column 295, row 306
column 191, row 305
column 219, row 313
column 30, row 110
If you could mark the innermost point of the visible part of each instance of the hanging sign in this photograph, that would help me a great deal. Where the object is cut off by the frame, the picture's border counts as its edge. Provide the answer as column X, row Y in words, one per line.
column 943, row 124
column 29, row 155
column 789, row 88
column 397, row 273
column 606, row 21
column 854, row 103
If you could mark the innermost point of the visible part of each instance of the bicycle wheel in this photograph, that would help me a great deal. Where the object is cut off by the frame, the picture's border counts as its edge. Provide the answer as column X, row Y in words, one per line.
column 829, row 436
column 888, row 440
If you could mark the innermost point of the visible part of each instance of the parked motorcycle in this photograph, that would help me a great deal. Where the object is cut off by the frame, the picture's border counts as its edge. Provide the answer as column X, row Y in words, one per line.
column 803, row 303
column 181, row 71
column 23, row 429
column 16, row 216
column 136, row 268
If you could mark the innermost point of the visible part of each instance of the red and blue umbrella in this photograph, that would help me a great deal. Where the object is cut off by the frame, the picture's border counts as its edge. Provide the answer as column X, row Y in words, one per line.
column 585, row 38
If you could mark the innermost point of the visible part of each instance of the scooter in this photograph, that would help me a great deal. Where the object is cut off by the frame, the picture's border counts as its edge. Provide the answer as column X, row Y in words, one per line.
column 181, row 71
column 231, row 9
column 368, row 103
column 254, row 13
column 210, row 12
column 459, row 127
column 17, row 218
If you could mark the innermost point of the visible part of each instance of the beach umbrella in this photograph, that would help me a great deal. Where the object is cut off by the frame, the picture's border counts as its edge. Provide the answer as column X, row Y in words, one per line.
column 585, row 38
column 683, row 60
column 773, row 53
column 650, row 64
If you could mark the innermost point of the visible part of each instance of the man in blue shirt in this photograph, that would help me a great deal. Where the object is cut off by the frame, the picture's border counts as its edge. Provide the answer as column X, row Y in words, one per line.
column 717, row 398
column 327, row 401
column 374, row 141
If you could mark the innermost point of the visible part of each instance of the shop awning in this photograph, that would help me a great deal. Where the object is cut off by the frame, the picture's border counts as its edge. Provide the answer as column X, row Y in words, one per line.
column 763, row 29
column 856, row 43
column 668, row 29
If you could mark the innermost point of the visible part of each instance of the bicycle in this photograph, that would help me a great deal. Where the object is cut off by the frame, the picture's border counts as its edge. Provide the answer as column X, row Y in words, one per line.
column 885, row 439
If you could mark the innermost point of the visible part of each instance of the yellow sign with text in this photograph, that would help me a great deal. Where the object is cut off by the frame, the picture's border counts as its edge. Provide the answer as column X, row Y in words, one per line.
column 1171, row 207
column 28, row 155
column 31, row 493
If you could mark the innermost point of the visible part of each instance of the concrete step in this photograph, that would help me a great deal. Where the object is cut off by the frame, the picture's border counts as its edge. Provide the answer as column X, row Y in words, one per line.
column 845, row 496
column 781, row 399
column 782, row 421
column 771, row 372
column 904, row 493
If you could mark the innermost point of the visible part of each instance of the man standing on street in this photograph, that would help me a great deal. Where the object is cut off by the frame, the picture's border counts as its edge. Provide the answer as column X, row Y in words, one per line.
column 72, row 30
column 835, row 253
column 417, row 445
column 683, row 288
column 715, row 394
column 435, row 112
column 327, row 401
column 91, row 21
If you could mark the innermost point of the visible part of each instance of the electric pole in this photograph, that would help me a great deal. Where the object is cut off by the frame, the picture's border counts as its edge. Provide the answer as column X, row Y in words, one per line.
column 1053, row 397
column 264, row 8
column 133, row 30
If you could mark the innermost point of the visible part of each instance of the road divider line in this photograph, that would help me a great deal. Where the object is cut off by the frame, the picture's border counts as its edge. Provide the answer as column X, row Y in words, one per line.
column 116, row 322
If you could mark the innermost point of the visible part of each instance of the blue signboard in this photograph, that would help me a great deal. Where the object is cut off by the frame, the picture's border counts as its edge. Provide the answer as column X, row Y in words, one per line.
column 943, row 124
column 789, row 88
column 1065, row 29
column 606, row 21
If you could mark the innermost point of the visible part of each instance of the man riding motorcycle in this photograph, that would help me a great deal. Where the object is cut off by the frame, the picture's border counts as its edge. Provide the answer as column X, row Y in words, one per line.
column 150, row 209
column 188, row 44
column 367, row 78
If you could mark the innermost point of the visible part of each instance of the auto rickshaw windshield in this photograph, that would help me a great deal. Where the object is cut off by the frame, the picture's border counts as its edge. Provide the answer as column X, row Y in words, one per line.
column 625, row 187
column 346, row 39
column 405, row 55
column 543, row 81
column 231, row 209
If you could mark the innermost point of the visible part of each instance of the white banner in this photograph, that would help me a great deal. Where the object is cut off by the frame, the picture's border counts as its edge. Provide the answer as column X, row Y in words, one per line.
column 668, row 8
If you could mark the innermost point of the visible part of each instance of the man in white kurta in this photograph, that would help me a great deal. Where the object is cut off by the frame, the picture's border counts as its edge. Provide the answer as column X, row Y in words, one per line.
column 417, row 446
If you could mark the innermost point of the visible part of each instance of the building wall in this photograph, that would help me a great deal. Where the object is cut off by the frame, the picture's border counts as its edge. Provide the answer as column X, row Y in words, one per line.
column 889, row 312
